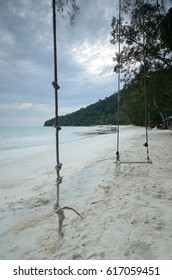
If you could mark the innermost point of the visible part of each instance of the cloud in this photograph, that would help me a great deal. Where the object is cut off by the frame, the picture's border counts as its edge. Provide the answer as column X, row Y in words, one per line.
column 69, row 109
column 25, row 106
column 7, row 39
column 85, row 47
column 30, row 67
column 85, row 65
column 95, row 59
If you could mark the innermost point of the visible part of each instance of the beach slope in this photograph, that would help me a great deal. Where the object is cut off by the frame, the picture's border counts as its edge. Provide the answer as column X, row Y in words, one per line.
column 126, row 207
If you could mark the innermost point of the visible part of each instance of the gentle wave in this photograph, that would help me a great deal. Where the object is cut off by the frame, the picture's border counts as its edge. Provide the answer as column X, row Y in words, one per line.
column 16, row 141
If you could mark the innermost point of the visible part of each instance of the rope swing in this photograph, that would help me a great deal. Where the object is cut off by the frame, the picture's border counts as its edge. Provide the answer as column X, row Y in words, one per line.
column 146, row 144
column 119, row 81
column 57, row 208
column 58, row 167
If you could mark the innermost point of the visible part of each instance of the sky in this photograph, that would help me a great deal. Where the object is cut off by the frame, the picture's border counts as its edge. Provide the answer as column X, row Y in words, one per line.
column 85, row 64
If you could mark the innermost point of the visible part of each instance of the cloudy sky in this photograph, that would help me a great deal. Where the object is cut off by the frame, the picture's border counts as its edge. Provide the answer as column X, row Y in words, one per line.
column 85, row 65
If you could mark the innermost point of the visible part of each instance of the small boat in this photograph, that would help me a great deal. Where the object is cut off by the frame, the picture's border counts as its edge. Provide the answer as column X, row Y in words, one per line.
column 108, row 130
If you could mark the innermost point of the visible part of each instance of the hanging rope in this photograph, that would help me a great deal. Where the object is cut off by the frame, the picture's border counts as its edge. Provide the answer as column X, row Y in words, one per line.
column 57, row 208
column 58, row 167
column 119, row 79
column 146, row 144
column 145, row 88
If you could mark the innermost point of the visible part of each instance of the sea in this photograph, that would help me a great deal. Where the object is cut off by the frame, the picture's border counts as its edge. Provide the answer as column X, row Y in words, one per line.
column 21, row 141
column 17, row 142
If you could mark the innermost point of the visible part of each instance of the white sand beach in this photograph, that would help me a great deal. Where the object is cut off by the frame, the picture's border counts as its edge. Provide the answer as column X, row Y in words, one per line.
column 126, row 208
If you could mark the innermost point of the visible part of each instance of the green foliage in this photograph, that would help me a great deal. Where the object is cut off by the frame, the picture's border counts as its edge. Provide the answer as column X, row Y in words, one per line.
column 144, row 57
column 141, row 42
column 128, row 5
column 132, row 104
column 101, row 112
column 159, row 98
column 68, row 6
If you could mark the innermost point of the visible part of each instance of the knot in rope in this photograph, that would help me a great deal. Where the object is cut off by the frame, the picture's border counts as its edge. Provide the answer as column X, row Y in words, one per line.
column 58, row 210
column 57, row 127
column 59, row 180
column 58, row 166
column 55, row 85
column 117, row 156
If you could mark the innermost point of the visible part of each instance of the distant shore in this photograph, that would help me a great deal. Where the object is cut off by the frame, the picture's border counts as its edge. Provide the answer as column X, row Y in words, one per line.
column 127, row 208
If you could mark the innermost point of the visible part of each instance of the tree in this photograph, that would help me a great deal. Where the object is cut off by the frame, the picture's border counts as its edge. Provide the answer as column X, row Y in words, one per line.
column 68, row 6
column 144, row 59
column 128, row 5
column 140, row 38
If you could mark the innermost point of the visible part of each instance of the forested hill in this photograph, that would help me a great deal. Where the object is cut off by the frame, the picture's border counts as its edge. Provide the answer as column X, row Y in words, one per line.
column 101, row 112
column 146, row 98
column 132, row 104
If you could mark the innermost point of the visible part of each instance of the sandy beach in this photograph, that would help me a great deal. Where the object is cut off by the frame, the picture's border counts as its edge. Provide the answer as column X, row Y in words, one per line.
column 126, row 208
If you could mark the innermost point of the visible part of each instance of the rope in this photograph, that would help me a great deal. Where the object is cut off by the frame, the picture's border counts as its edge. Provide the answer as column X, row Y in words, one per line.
column 145, row 88
column 119, row 79
column 58, row 167
column 146, row 144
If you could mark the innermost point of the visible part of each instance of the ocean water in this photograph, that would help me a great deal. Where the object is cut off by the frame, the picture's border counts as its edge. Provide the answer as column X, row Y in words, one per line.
column 16, row 142
column 21, row 141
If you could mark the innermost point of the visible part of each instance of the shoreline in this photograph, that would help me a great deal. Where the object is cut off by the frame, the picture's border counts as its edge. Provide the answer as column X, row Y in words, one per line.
column 127, row 209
